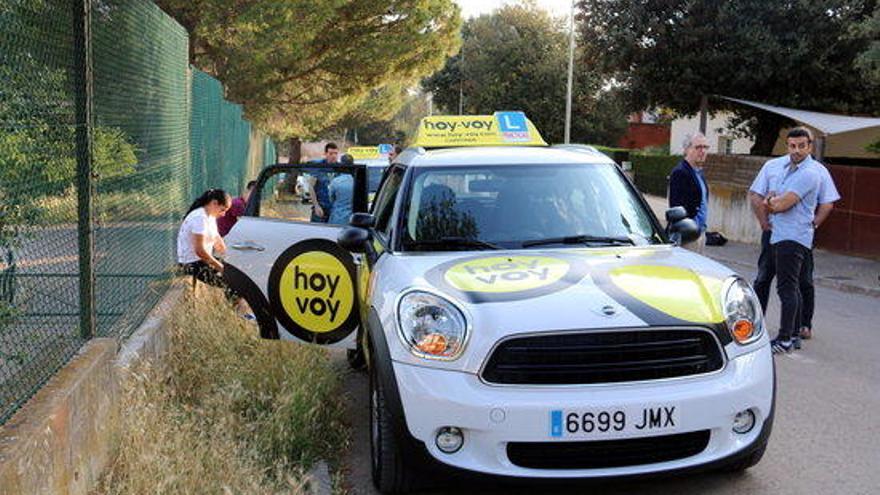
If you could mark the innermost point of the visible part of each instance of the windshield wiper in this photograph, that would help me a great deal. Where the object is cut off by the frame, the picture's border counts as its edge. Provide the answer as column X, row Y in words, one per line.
column 456, row 242
column 579, row 239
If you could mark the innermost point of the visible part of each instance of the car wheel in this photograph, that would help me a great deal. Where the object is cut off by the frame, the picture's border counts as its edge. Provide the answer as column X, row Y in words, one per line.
column 746, row 462
column 391, row 473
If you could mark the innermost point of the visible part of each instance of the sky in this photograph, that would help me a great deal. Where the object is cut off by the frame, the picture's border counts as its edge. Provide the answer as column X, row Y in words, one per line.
column 470, row 8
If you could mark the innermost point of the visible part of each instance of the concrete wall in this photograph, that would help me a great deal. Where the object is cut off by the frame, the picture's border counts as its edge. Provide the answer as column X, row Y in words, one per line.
column 61, row 441
column 715, row 130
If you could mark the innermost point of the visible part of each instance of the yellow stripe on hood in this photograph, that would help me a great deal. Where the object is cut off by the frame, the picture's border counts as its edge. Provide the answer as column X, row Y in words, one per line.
column 678, row 292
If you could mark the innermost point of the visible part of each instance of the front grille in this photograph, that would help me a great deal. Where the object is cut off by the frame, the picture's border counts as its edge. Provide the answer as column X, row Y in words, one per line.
column 607, row 453
column 603, row 357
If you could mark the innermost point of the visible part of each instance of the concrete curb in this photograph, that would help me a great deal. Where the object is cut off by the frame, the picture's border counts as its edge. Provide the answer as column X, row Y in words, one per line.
column 820, row 281
column 62, row 440
column 318, row 480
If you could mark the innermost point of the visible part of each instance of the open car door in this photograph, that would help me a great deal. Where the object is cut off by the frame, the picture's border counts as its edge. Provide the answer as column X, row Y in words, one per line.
column 284, row 260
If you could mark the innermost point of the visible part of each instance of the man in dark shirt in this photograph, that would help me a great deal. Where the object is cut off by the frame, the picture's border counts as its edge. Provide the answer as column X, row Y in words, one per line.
column 236, row 209
column 688, row 187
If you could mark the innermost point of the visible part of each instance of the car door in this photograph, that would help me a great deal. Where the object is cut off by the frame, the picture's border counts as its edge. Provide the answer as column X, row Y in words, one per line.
column 285, row 262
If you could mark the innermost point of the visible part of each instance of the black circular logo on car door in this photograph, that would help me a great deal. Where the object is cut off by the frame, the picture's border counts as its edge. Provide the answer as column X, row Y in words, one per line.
column 313, row 293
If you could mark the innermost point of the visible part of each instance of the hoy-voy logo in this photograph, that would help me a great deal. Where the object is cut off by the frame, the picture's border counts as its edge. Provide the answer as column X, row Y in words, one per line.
column 451, row 125
column 312, row 291
column 506, row 275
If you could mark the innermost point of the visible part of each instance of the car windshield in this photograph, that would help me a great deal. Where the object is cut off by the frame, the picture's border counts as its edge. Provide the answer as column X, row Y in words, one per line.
column 523, row 206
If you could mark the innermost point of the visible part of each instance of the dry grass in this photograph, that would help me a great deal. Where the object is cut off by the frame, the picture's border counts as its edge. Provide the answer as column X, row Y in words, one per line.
column 229, row 414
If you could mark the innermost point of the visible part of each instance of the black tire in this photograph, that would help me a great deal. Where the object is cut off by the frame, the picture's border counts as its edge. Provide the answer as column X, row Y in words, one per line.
column 391, row 473
column 740, row 465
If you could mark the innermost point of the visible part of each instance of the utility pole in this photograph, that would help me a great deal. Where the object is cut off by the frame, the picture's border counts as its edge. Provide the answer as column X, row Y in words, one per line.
column 704, row 111
column 461, row 83
column 570, row 76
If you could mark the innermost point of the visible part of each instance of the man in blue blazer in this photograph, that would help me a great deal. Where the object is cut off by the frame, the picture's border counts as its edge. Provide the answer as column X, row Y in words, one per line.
column 688, row 187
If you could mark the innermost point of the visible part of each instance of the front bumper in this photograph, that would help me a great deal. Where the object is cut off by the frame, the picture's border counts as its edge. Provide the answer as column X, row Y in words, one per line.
column 491, row 416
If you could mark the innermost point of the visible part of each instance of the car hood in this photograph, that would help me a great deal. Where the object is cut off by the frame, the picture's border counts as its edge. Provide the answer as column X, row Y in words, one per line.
column 505, row 293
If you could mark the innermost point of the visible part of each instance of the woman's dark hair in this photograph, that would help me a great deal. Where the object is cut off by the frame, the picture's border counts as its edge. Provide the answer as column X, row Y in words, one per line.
column 218, row 195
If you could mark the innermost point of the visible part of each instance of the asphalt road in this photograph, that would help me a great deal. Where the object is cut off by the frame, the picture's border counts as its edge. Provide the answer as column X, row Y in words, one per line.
column 826, row 438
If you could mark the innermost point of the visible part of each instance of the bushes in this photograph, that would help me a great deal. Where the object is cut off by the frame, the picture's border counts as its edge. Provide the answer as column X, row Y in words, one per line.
column 651, row 172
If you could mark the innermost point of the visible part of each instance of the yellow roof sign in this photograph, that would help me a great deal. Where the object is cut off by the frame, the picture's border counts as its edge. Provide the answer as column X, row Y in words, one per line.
column 363, row 152
column 369, row 152
column 500, row 129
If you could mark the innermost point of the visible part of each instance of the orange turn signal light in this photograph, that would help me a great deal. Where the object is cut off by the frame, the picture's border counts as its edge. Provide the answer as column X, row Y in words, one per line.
column 743, row 330
column 433, row 343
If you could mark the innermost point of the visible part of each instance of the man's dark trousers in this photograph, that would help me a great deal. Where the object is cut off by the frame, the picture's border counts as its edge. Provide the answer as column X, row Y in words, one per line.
column 790, row 257
column 767, row 271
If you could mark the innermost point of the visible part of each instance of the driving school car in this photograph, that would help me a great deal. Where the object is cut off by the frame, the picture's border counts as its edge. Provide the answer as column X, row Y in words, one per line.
column 521, row 313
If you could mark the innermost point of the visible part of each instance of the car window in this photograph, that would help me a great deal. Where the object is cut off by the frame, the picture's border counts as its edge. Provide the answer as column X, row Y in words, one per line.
column 509, row 206
column 374, row 178
column 293, row 195
column 384, row 205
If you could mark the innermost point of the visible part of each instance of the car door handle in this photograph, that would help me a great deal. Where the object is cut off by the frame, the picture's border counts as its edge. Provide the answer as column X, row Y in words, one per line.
column 247, row 246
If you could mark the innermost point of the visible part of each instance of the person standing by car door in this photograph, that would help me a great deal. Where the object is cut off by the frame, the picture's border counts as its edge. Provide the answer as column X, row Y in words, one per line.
column 688, row 187
column 341, row 192
column 791, row 203
column 758, row 192
column 236, row 209
column 320, row 185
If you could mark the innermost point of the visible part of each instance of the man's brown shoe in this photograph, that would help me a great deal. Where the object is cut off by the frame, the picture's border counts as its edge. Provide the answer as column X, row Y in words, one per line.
column 806, row 333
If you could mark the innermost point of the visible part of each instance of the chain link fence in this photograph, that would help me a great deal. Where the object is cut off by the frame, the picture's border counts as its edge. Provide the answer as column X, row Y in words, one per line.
column 106, row 135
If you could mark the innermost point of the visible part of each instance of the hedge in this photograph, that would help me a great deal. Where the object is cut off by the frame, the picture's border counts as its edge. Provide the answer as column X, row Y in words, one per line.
column 651, row 172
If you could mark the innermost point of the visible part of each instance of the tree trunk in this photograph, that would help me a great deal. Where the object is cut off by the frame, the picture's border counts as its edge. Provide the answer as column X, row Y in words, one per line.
column 767, row 133
column 294, row 150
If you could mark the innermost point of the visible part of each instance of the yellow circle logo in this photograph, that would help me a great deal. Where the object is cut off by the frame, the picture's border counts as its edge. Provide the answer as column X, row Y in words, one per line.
column 317, row 291
column 506, row 274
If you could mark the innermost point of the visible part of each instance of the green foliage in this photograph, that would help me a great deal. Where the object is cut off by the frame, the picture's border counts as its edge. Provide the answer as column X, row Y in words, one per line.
column 516, row 58
column 651, row 172
column 869, row 60
column 299, row 66
column 400, row 128
column 797, row 54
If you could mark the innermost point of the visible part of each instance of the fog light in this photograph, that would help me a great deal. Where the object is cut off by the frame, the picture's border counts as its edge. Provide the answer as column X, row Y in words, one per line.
column 744, row 421
column 449, row 439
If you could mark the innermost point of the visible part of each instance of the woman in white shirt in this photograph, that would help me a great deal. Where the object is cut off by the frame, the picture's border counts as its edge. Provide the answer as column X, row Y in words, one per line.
column 199, row 240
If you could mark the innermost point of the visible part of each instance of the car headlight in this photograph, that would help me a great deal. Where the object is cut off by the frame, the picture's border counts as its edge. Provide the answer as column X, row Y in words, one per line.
column 742, row 311
column 431, row 326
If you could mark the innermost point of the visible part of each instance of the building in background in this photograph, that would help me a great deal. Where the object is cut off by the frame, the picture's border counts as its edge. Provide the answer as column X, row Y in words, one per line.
column 646, row 130
column 721, row 139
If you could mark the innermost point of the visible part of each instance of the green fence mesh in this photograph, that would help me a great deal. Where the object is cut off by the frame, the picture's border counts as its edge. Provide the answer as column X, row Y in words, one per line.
column 162, row 133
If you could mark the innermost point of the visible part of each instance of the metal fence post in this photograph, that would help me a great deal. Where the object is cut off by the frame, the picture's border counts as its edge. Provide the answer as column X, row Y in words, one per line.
column 83, row 79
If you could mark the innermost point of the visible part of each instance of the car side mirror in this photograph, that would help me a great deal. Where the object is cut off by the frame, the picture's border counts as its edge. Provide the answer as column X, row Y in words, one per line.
column 674, row 214
column 684, row 231
column 362, row 220
column 354, row 239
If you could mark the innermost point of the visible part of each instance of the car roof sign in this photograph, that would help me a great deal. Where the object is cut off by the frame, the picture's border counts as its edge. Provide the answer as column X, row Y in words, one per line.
column 369, row 152
column 499, row 129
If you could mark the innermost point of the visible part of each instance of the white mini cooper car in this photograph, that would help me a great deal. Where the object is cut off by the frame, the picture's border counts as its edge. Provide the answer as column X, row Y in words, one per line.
column 521, row 313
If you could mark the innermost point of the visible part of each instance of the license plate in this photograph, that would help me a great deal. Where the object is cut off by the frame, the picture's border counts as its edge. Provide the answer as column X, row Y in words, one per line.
column 588, row 423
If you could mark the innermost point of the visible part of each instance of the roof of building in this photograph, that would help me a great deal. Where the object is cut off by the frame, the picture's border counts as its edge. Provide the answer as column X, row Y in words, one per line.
column 827, row 123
